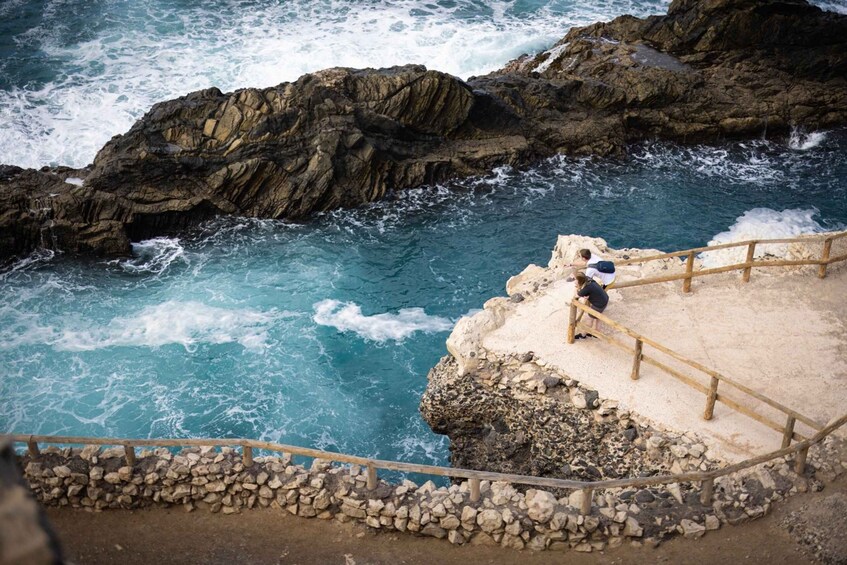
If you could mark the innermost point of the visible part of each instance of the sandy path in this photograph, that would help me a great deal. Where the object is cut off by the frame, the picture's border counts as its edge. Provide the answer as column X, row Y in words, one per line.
column 782, row 335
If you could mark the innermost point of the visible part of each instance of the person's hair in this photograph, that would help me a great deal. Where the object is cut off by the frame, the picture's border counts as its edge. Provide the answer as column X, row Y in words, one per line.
column 585, row 254
column 581, row 279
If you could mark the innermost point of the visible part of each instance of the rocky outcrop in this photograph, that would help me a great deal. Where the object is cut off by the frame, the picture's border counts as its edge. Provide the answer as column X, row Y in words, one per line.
column 343, row 137
column 498, row 419
column 704, row 72
column 332, row 139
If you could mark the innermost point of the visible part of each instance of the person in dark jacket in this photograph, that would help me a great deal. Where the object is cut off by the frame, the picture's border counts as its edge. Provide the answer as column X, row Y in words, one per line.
column 595, row 295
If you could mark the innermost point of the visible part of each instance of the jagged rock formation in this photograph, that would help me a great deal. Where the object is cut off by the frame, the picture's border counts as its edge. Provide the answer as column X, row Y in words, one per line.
column 343, row 137
column 514, row 429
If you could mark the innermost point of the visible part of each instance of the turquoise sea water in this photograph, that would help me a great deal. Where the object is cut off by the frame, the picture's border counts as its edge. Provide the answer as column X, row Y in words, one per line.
column 321, row 333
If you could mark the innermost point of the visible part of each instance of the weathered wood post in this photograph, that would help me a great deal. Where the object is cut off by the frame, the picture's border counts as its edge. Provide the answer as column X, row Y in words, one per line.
column 474, row 485
column 800, row 460
column 247, row 456
column 788, row 432
column 587, row 495
column 572, row 322
column 827, row 247
column 711, row 398
column 707, row 487
column 371, row 477
column 130, row 455
column 689, row 268
column 32, row 448
column 751, row 250
column 636, row 362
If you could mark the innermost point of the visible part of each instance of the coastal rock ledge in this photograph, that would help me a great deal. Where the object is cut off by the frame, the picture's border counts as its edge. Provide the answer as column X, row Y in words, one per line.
column 706, row 71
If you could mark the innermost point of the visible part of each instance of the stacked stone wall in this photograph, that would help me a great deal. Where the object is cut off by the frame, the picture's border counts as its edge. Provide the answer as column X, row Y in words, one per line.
column 218, row 481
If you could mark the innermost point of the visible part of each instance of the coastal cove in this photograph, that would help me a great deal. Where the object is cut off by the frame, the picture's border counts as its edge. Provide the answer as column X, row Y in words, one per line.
column 317, row 259
column 321, row 333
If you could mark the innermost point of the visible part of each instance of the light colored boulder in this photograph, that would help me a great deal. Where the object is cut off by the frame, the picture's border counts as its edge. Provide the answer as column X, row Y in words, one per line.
column 62, row 471
column 469, row 514
column 449, row 522
column 526, row 280
column 632, row 528
column 691, row 529
column 540, row 505
column 489, row 520
column 467, row 334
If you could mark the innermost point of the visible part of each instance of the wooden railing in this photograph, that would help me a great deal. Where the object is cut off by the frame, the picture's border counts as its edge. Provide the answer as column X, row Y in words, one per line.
column 711, row 391
column 705, row 478
column 747, row 266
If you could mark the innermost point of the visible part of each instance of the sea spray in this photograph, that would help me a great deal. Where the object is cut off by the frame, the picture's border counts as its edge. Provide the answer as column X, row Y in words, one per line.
column 760, row 224
column 77, row 77
column 348, row 317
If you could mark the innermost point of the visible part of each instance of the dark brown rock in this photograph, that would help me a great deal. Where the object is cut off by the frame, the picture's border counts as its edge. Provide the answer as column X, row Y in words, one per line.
column 500, row 430
column 706, row 71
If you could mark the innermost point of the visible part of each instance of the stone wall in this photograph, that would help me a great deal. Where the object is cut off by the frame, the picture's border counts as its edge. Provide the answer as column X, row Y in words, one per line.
column 217, row 480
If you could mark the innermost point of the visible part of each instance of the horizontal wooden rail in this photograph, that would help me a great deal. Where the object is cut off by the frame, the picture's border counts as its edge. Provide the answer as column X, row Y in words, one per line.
column 747, row 266
column 702, row 388
column 635, row 482
column 743, row 388
column 804, row 239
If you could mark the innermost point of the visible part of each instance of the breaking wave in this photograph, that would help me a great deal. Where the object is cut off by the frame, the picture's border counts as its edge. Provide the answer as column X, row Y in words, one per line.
column 348, row 317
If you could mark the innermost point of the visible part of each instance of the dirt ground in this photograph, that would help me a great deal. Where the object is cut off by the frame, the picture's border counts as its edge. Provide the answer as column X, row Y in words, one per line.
column 269, row 536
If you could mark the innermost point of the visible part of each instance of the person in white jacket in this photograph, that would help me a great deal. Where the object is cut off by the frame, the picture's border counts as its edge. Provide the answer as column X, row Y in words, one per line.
column 590, row 260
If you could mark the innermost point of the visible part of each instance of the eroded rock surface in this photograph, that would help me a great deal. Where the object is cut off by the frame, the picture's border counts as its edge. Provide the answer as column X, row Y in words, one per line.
column 343, row 137
column 497, row 420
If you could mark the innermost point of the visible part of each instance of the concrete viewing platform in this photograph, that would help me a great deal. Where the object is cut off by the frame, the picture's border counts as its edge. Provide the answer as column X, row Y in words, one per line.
column 783, row 334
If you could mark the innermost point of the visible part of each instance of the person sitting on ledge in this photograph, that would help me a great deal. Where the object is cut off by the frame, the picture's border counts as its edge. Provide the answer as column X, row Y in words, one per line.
column 596, row 296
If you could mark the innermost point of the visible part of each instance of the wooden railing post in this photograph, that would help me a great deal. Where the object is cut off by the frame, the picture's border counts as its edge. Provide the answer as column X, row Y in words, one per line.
column 32, row 447
column 827, row 247
column 130, row 455
column 751, row 250
column 247, row 456
column 689, row 268
column 711, row 398
column 585, row 507
column 572, row 322
column 706, row 489
column 788, row 433
column 371, row 477
column 636, row 362
column 800, row 460
column 474, row 484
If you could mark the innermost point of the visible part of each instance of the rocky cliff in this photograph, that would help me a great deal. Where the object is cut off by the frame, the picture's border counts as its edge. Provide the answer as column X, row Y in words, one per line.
column 342, row 137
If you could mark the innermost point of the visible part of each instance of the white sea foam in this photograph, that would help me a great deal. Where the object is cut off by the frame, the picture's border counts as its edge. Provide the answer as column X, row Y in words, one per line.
column 34, row 259
column 761, row 223
column 837, row 6
column 348, row 317
column 75, row 181
column 173, row 322
column 107, row 82
column 153, row 255
column 750, row 162
column 552, row 55
column 801, row 141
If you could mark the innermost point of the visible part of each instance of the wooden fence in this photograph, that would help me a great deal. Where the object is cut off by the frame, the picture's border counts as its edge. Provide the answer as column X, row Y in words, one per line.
column 711, row 392
column 705, row 478
column 747, row 266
